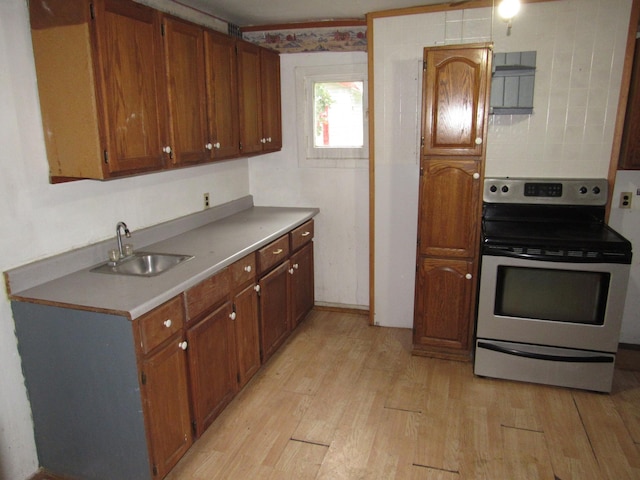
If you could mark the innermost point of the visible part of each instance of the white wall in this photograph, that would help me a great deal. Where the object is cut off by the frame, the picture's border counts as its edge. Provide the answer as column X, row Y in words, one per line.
column 580, row 45
column 39, row 219
column 627, row 222
column 342, row 195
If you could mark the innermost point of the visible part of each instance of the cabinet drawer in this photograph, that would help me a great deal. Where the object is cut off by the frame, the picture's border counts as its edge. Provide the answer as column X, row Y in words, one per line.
column 273, row 253
column 301, row 235
column 207, row 294
column 243, row 271
column 162, row 322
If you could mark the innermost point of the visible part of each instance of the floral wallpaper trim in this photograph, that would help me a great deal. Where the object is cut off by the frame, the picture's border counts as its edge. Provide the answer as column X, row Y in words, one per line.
column 320, row 39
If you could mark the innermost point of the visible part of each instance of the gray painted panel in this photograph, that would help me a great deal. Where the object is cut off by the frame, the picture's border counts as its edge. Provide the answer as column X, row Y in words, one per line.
column 81, row 376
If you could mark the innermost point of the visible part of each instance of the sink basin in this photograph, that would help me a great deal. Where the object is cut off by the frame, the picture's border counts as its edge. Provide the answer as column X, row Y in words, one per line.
column 143, row 264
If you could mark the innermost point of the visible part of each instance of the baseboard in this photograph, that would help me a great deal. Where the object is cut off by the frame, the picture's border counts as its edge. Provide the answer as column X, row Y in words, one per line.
column 44, row 475
column 341, row 308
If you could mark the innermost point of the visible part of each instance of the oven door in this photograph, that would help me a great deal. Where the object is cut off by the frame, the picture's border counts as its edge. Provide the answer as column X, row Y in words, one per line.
column 557, row 304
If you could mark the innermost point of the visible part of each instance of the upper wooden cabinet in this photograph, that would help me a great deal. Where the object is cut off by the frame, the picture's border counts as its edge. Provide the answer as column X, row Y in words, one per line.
column 103, row 102
column 260, row 113
column 125, row 90
column 184, row 60
column 271, row 104
column 630, row 152
column 222, row 90
column 454, row 90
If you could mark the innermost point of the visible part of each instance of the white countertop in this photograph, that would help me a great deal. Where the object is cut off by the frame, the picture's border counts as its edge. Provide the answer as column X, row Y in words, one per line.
column 213, row 245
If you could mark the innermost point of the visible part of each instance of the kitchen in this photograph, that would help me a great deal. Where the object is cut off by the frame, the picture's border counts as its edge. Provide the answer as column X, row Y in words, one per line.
column 49, row 219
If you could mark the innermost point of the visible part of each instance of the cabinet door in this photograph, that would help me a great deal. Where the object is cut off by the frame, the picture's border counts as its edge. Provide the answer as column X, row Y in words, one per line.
column 184, row 58
column 133, row 93
column 222, row 90
column 630, row 152
column 271, row 108
column 250, row 95
column 247, row 333
column 449, row 208
column 274, row 310
column 165, row 392
column 212, row 366
column 302, row 294
column 443, row 303
column 454, row 95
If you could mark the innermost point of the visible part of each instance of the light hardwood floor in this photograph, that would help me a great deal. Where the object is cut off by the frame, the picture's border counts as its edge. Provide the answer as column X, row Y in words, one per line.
column 342, row 400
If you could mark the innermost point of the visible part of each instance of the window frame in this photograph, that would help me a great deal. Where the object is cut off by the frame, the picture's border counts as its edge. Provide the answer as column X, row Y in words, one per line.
column 308, row 154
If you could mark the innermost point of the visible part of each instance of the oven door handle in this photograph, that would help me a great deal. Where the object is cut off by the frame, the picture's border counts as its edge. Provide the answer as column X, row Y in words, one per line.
column 545, row 356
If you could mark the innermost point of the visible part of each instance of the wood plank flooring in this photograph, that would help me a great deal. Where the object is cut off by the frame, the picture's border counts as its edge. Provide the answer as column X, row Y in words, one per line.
column 343, row 400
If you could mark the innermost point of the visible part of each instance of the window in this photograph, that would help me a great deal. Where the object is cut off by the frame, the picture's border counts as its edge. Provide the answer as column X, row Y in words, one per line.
column 332, row 106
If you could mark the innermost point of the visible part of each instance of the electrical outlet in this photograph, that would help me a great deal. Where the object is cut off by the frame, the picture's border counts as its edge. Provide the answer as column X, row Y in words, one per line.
column 206, row 200
column 625, row 200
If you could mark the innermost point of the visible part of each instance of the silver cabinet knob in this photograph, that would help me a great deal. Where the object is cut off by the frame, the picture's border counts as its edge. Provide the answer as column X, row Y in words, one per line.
column 478, row 141
column 209, row 146
column 183, row 345
column 476, row 176
column 167, row 323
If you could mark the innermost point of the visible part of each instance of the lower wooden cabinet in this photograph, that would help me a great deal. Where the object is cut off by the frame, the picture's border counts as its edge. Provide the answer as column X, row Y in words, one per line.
column 245, row 306
column 212, row 365
column 163, row 380
column 166, row 400
column 443, row 312
column 302, row 285
column 274, row 309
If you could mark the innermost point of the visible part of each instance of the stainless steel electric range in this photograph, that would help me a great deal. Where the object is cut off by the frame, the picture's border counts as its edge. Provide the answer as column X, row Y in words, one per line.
column 552, row 284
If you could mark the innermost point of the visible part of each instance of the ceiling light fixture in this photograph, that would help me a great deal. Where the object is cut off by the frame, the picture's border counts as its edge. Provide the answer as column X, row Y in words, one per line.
column 507, row 9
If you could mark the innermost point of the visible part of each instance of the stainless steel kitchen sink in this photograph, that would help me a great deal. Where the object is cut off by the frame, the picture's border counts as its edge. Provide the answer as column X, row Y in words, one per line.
column 143, row 264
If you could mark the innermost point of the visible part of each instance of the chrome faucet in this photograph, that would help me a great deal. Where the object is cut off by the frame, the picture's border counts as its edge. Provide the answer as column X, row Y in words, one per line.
column 121, row 226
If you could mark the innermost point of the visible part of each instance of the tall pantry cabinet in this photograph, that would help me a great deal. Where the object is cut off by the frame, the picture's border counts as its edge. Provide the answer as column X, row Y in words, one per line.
column 454, row 124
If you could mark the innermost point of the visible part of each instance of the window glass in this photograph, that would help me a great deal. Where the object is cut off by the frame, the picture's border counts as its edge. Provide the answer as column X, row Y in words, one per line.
column 332, row 116
column 338, row 116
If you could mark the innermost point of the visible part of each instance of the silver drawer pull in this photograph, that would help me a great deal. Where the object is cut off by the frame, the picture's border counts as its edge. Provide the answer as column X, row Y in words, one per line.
column 278, row 251
column 305, row 234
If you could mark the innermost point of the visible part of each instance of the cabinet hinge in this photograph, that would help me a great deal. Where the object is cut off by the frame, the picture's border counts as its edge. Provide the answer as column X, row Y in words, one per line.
column 143, row 378
column 105, row 154
column 240, row 145
column 238, row 377
column 162, row 32
column 421, row 172
column 155, row 470
column 422, row 141
column 424, row 65
column 193, row 427
column 92, row 11
column 233, row 307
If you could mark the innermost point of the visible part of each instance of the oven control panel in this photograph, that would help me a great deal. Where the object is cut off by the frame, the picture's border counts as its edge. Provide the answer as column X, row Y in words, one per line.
column 552, row 191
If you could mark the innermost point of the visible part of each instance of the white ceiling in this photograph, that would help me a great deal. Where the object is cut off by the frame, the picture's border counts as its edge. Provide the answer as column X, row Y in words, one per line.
column 271, row 12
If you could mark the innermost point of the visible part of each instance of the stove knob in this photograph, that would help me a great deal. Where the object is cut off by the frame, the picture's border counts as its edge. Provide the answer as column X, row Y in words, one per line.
column 583, row 190
column 493, row 189
column 596, row 190
column 505, row 189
